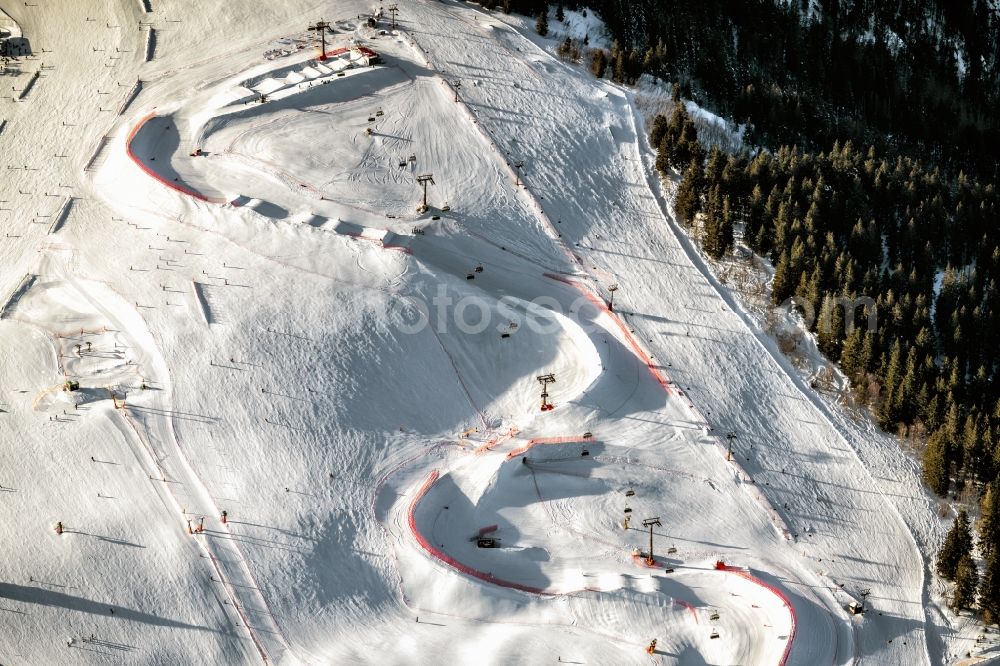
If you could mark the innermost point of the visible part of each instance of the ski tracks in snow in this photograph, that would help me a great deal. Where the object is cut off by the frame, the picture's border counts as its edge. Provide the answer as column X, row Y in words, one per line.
column 153, row 429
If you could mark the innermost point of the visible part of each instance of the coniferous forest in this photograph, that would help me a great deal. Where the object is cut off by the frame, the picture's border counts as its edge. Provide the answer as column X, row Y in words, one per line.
column 919, row 76
column 914, row 243
column 869, row 181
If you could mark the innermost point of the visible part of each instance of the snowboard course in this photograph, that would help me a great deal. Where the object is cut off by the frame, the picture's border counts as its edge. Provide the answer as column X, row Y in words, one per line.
column 305, row 424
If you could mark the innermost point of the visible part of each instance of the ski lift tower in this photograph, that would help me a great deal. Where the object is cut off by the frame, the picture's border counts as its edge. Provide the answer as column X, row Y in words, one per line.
column 859, row 609
column 611, row 302
column 650, row 523
column 517, row 177
column 730, row 436
column 392, row 10
column 423, row 180
column 545, row 380
column 456, row 85
column 321, row 27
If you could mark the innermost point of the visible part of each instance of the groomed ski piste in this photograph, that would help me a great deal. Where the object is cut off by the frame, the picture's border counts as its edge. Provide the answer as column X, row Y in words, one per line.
column 233, row 268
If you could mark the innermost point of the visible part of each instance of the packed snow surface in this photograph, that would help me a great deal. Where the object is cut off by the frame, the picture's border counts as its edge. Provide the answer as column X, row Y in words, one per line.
column 217, row 240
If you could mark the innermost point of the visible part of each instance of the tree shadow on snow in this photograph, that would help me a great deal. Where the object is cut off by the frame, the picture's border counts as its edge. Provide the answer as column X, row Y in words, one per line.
column 43, row 597
column 117, row 542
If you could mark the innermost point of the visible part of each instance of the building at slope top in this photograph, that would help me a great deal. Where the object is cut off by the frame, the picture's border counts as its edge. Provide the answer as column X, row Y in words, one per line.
column 358, row 55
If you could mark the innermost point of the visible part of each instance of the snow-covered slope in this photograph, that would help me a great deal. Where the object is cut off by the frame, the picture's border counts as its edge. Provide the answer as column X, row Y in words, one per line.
column 269, row 329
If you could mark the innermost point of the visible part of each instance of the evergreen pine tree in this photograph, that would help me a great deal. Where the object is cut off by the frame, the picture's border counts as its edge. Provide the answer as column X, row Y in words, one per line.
column 663, row 155
column 658, row 129
column 936, row 462
column 542, row 24
column 829, row 329
column 754, row 219
column 972, row 447
column 672, row 137
column 957, row 544
column 560, row 14
column 953, row 426
column 809, row 287
column 688, row 202
column 989, row 588
column 966, row 583
column 905, row 397
column 761, row 241
column 687, row 147
column 923, row 398
column 717, row 235
column 714, row 167
column 989, row 518
column 932, row 414
column 648, row 60
column 888, row 413
column 782, row 287
column 726, row 229
column 989, row 468
column 868, row 355
column 850, row 355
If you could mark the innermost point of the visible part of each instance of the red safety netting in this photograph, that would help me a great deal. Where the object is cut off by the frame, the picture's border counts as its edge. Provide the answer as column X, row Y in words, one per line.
column 495, row 441
column 629, row 338
column 521, row 450
column 153, row 174
column 721, row 566
column 437, row 553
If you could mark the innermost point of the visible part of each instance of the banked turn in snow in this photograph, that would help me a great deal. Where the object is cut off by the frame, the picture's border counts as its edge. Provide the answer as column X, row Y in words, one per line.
column 271, row 132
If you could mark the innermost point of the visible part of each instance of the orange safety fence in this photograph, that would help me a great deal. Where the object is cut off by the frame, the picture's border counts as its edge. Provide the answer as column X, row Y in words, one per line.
column 439, row 554
column 721, row 566
column 629, row 338
column 521, row 450
column 153, row 174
